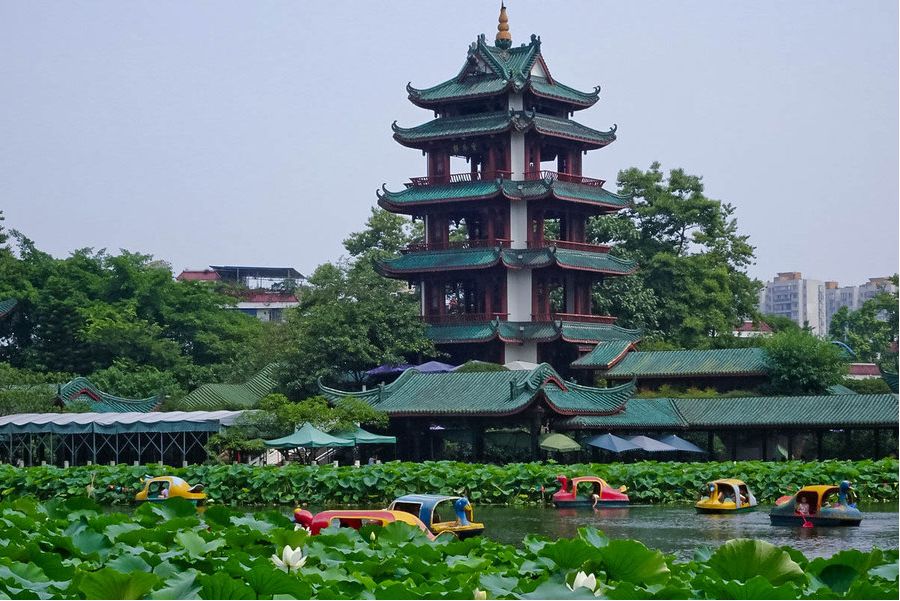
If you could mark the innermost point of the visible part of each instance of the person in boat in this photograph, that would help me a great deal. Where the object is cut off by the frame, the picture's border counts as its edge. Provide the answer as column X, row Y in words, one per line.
column 596, row 499
column 164, row 493
column 803, row 506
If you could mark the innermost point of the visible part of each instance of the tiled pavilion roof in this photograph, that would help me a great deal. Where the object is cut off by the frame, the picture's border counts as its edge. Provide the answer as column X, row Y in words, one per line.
column 81, row 389
column 487, row 394
column 506, row 69
column 448, row 128
column 212, row 397
column 673, row 364
column 483, row 258
column 526, row 331
column 406, row 201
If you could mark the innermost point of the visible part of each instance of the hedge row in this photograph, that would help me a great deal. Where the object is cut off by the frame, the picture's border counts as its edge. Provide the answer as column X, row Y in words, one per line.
column 521, row 483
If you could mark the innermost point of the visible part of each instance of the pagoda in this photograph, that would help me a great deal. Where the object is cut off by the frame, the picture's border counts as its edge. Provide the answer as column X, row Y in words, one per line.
column 505, row 272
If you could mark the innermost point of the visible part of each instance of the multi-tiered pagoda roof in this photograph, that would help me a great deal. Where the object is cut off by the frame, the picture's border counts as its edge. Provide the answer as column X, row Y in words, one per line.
column 505, row 262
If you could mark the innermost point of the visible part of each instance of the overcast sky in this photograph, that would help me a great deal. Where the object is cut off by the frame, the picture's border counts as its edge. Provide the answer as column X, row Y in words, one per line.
column 256, row 133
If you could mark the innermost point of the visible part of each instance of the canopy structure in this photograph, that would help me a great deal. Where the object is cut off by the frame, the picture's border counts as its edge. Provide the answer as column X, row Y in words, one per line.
column 360, row 436
column 652, row 445
column 681, row 444
column 308, row 436
column 611, row 442
column 520, row 365
column 559, row 443
column 434, row 367
column 170, row 437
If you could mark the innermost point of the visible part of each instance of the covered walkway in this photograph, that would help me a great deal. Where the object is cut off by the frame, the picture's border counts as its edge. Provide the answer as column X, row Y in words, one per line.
column 171, row 438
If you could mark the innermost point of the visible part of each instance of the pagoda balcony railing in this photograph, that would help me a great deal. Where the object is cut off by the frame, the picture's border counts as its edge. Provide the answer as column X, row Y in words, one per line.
column 451, row 318
column 580, row 317
column 456, row 245
column 597, row 248
column 457, row 178
column 564, row 177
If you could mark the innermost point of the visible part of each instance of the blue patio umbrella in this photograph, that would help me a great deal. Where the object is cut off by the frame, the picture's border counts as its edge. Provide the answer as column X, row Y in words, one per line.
column 612, row 443
column 388, row 369
column 434, row 367
column 680, row 444
column 650, row 444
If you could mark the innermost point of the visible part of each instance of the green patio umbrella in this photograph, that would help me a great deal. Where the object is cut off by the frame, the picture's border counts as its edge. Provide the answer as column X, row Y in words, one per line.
column 360, row 436
column 308, row 436
column 559, row 443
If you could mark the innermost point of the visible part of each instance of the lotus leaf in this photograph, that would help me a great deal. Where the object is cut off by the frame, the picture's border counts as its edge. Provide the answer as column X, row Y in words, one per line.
column 742, row 559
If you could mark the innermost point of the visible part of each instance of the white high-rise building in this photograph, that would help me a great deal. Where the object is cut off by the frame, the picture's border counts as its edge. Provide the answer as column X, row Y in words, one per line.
column 814, row 302
column 801, row 300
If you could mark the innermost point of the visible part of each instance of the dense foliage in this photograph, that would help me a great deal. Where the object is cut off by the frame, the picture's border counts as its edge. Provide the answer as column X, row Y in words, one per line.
column 692, row 282
column 94, row 312
column 73, row 550
column 352, row 319
column 518, row 483
column 26, row 391
column 871, row 329
column 801, row 363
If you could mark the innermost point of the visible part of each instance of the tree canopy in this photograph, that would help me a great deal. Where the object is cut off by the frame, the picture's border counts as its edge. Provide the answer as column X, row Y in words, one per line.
column 692, row 282
column 802, row 363
column 871, row 329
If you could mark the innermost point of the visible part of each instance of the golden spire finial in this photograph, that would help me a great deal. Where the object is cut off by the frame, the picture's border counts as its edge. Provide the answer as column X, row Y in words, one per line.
column 504, row 38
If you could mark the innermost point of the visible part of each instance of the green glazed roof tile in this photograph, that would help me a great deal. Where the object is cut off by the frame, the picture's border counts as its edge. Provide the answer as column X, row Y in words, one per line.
column 824, row 410
column 509, row 68
column 6, row 306
column 604, row 354
column 212, row 397
column 643, row 364
column 81, row 389
column 840, row 389
column 441, row 260
column 639, row 413
column 526, row 331
column 494, row 123
column 486, row 393
column 511, row 189
column 891, row 380
column 463, row 332
column 596, row 332
column 572, row 259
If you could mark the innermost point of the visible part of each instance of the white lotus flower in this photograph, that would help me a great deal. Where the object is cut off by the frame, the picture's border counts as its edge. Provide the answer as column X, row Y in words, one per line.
column 302, row 527
column 291, row 559
column 588, row 581
column 479, row 594
column 372, row 536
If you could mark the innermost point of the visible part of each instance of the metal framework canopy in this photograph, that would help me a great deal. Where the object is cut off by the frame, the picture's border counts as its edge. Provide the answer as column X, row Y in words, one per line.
column 173, row 437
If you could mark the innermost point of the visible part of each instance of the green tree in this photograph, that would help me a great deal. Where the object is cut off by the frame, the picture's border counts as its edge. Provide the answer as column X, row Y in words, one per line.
column 801, row 363
column 780, row 323
column 127, row 379
column 385, row 234
column 692, row 281
column 26, row 391
column 871, row 329
column 349, row 320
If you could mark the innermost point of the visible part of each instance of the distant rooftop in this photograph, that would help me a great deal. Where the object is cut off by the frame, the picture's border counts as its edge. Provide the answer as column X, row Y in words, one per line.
column 238, row 272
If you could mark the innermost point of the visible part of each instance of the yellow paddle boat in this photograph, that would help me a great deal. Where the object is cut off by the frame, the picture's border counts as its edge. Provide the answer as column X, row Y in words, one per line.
column 727, row 495
column 162, row 488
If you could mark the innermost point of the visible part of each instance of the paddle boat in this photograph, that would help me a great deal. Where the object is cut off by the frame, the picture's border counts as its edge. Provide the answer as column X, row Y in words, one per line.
column 568, row 493
column 726, row 495
column 819, row 505
column 163, row 488
column 425, row 507
column 356, row 519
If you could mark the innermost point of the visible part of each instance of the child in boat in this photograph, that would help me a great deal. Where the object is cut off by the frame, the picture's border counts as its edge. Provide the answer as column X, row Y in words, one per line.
column 596, row 499
column 802, row 506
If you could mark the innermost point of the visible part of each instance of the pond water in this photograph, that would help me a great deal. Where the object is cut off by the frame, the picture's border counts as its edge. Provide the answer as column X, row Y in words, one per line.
column 678, row 529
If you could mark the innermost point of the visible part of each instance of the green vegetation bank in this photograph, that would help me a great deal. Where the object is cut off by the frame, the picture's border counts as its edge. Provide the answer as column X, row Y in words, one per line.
column 518, row 483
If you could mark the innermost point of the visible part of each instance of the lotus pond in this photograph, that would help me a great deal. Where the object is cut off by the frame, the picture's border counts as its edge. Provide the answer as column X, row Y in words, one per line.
column 74, row 549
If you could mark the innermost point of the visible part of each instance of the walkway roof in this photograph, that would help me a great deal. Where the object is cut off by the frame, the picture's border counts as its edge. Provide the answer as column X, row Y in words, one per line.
column 116, row 423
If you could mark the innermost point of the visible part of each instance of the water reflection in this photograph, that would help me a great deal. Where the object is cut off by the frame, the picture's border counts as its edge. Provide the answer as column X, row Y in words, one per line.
column 680, row 530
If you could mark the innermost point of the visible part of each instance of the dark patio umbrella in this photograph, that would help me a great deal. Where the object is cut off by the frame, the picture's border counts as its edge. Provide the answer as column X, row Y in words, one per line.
column 387, row 370
column 681, row 444
column 611, row 442
column 649, row 444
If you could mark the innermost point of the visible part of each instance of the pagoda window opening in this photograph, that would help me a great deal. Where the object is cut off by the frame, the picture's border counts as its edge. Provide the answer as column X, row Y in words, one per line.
column 548, row 227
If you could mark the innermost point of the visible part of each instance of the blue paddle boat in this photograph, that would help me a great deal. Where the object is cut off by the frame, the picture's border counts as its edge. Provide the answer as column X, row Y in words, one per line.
column 428, row 508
